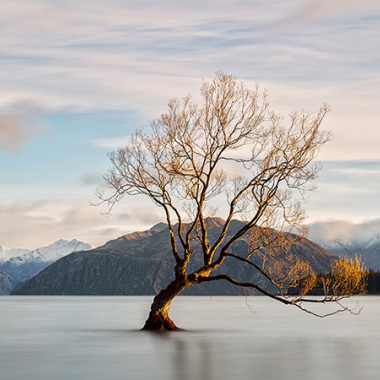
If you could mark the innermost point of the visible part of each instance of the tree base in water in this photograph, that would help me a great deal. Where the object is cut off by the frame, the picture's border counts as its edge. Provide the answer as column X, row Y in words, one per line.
column 157, row 323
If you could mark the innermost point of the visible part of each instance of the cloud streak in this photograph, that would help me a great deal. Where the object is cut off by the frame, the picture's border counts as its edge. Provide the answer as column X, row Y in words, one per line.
column 347, row 190
column 94, row 55
column 44, row 221
column 97, row 57
column 14, row 133
column 321, row 9
column 117, row 56
column 345, row 231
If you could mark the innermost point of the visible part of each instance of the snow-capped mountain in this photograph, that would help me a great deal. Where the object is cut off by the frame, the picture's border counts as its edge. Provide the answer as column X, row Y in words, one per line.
column 352, row 244
column 50, row 253
column 30, row 263
column 368, row 250
column 7, row 253
column 346, row 238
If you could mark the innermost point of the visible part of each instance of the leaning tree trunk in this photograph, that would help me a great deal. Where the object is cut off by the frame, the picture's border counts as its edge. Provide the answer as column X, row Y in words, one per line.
column 159, row 312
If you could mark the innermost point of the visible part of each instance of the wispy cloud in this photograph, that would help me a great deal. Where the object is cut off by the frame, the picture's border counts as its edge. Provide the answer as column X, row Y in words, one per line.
column 347, row 190
column 14, row 133
column 344, row 230
column 97, row 54
column 72, row 57
column 319, row 9
column 44, row 221
column 112, row 143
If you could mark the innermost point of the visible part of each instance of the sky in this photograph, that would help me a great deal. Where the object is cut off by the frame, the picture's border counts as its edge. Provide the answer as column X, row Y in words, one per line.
column 77, row 78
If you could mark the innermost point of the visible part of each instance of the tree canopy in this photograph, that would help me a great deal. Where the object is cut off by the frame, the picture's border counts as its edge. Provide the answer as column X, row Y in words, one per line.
column 234, row 152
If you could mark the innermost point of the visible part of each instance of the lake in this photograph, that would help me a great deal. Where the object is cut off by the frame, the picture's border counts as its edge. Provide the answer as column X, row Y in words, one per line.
column 72, row 338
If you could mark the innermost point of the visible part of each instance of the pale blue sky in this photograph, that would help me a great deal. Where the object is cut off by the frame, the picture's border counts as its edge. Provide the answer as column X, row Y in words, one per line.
column 76, row 78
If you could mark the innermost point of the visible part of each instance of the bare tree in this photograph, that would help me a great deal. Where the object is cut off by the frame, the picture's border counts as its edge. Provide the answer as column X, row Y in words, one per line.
column 231, row 148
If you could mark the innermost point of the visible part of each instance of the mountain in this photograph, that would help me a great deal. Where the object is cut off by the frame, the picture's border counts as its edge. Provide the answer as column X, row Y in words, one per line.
column 141, row 263
column 7, row 253
column 50, row 253
column 368, row 250
column 29, row 263
column 7, row 283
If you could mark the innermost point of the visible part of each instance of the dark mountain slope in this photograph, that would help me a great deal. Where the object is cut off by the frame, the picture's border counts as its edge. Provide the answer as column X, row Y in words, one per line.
column 7, row 283
column 142, row 263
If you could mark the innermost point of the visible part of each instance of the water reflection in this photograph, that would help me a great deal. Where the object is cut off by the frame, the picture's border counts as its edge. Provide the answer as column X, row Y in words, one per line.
column 205, row 357
column 98, row 338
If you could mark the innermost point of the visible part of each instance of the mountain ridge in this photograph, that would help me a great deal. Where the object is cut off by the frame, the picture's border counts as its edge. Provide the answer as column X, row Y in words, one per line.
column 368, row 250
column 8, row 253
column 21, row 268
column 141, row 263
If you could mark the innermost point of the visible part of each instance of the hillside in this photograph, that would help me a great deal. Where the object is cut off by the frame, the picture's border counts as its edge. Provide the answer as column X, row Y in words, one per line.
column 141, row 263
column 7, row 283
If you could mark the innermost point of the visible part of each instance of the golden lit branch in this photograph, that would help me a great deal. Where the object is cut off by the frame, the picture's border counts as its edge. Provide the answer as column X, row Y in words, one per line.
column 181, row 166
column 348, row 276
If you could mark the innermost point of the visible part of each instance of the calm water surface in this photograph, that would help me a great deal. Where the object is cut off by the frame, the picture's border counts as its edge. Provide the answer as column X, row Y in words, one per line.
column 72, row 338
